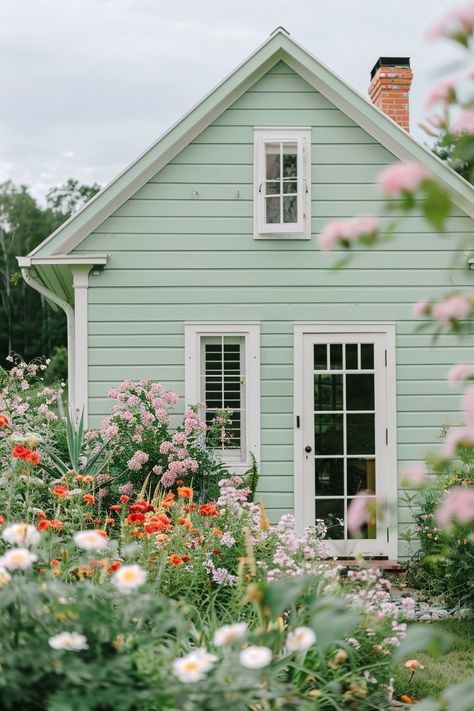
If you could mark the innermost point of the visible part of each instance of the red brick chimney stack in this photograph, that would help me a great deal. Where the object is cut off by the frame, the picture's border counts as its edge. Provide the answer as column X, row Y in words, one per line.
column 389, row 88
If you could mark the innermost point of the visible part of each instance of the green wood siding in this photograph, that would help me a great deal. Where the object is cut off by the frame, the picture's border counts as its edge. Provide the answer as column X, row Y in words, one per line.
column 182, row 249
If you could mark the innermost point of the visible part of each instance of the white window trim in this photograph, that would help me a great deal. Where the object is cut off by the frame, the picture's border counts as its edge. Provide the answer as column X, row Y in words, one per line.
column 302, row 229
column 192, row 371
column 300, row 330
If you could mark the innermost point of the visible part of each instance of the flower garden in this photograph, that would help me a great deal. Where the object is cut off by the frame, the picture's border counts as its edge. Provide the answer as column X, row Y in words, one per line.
column 137, row 573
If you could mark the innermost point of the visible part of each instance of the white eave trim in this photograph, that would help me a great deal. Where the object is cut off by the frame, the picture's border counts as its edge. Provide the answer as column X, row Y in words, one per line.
column 64, row 260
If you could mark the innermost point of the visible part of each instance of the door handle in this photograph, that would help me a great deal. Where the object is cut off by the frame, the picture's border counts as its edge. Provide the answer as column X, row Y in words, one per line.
column 307, row 449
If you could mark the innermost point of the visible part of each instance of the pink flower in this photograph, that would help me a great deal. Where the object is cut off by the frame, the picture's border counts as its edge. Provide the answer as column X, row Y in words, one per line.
column 460, row 372
column 357, row 514
column 444, row 93
column 464, row 122
column 468, row 407
column 414, row 474
column 421, row 308
column 456, row 505
column 402, row 178
column 137, row 461
column 457, row 436
column 454, row 308
column 347, row 231
column 457, row 23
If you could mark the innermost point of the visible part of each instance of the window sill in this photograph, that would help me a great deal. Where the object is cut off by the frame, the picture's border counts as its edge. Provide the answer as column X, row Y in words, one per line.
column 282, row 235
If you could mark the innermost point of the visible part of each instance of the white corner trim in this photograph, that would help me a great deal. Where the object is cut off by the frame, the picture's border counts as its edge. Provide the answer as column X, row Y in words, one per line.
column 80, row 282
column 193, row 332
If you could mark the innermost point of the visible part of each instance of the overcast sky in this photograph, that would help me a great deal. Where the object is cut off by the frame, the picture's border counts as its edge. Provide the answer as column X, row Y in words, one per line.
column 87, row 85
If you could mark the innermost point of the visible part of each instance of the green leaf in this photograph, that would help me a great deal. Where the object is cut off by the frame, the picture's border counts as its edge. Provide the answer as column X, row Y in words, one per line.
column 436, row 206
column 428, row 705
column 283, row 593
column 465, row 148
column 460, row 696
column 423, row 638
column 332, row 621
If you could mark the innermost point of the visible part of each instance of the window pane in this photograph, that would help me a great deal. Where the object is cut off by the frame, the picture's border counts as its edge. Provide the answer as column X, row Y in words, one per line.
column 272, row 187
column 331, row 511
column 327, row 392
column 320, row 356
column 328, row 434
column 360, row 476
column 360, row 434
column 290, row 186
column 336, row 356
column 368, row 530
column 351, row 356
column 290, row 209
column 272, row 157
column 360, row 392
column 273, row 210
column 367, row 356
column 290, row 152
column 329, row 477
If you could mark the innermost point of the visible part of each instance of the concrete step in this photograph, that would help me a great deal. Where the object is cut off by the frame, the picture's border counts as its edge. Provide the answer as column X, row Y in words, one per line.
column 388, row 566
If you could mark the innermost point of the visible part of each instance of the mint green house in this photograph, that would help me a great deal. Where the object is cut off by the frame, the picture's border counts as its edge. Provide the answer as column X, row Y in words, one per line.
column 199, row 266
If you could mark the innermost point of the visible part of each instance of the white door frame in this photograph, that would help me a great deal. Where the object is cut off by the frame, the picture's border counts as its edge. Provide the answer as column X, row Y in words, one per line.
column 300, row 330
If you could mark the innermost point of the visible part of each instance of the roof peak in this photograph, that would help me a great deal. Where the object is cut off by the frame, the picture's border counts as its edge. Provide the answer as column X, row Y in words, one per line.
column 280, row 30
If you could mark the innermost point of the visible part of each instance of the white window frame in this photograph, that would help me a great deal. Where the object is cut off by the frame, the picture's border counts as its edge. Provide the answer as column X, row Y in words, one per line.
column 193, row 335
column 302, row 228
column 391, row 484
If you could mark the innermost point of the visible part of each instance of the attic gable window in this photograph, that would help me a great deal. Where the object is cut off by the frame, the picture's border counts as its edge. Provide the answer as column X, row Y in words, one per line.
column 282, row 166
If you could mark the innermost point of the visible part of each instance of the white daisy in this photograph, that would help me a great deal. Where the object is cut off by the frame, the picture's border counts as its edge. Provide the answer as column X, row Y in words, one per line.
column 194, row 666
column 300, row 639
column 255, row 657
column 69, row 641
column 21, row 534
column 229, row 633
column 18, row 559
column 129, row 577
column 91, row 540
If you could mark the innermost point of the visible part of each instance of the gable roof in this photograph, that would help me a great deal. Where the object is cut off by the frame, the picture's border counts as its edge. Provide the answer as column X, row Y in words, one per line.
column 278, row 47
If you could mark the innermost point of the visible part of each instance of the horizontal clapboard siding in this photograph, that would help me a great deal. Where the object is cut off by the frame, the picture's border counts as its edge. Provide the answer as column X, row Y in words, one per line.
column 182, row 250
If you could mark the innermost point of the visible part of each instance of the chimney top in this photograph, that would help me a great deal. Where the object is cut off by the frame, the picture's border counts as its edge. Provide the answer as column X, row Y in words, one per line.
column 389, row 62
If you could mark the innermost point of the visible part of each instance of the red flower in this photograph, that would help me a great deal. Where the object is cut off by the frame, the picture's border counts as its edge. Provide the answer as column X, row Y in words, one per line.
column 114, row 566
column 20, row 452
column 136, row 518
column 190, row 507
column 89, row 499
column 33, row 457
column 185, row 558
column 175, row 559
column 124, row 498
column 4, row 421
column 209, row 509
column 140, row 506
column 97, row 521
column 44, row 525
column 61, row 491
column 54, row 563
column 186, row 522
column 2, row 520
column 116, row 507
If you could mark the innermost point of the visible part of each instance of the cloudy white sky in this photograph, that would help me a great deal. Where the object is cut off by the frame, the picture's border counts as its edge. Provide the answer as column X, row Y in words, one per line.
column 86, row 85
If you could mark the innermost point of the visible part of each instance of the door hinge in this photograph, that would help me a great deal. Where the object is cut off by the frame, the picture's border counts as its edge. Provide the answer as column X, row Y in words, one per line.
column 385, row 358
column 386, row 435
column 297, row 421
column 388, row 535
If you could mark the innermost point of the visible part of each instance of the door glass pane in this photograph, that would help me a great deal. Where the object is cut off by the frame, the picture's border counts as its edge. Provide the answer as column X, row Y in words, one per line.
column 360, row 475
column 320, row 356
column 329, row 477
column 368, row 530
column 360, row 392
column 336, row 356
column 327, row 392
column 360, row 434
column 328, row 434
column 331, row 511
column 351, row 356
column 272, row 157
column 367, row 356
column 272, row 210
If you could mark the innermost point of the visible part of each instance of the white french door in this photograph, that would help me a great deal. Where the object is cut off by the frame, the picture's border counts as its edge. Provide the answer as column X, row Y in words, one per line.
column 344, row 437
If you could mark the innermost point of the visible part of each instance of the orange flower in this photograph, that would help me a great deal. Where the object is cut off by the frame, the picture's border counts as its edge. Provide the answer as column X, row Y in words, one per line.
column 33, row 457
column 88, row 479
column 57, row 525
column 79, row 477
column 137, row 534
column 110, row 521
column 4, row 421
column 54, row 563
column 136, row 518
column 84, row 571
column 40, row 514
column 186, row 522
column 175, row 559
column 167, row 502
column 185, row 492
column 114, row 566
column 124, row 498
column 61, row 491
column 141, row 507
column 116, row 507
column 161, row 538
column 406, row 699
column 89, row 499
column 209, row 509
column 43, row 525
column 217, row 532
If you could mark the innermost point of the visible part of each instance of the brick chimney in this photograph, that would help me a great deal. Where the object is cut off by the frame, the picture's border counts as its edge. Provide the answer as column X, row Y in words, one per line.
column 389, row 88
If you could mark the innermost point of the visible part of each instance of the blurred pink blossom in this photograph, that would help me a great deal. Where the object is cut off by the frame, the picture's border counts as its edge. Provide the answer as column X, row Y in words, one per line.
column 454, row 308
column 464, row 123
column 402, row 178
column 456, row 505
column 456, row 437
column 357, row 514
column 347, row 231
column 468, row 407
column 421, row 308
column 460, row 372
column 458, row 22
column 444, row 93
column 414, row 474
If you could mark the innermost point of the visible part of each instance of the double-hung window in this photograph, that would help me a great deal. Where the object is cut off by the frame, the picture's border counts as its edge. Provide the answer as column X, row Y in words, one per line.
column 282, row 200
column 222, row 374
